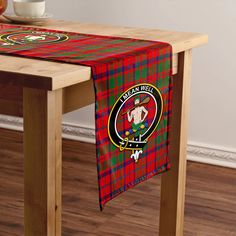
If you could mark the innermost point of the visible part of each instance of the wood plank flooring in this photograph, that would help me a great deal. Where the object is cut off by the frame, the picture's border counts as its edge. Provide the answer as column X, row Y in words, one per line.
column 210, row 199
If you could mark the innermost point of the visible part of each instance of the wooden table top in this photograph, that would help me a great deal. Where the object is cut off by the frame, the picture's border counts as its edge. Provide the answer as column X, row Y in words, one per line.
column 50, row 75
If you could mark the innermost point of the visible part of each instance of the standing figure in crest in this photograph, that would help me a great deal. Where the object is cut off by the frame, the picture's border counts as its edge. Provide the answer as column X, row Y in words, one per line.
column 137, row 114
column 32, row 38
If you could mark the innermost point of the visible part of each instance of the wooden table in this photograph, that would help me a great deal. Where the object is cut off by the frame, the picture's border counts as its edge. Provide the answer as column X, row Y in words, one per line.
column 41, row 91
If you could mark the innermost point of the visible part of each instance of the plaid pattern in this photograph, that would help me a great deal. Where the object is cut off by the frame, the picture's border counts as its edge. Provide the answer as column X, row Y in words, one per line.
column 117, row 64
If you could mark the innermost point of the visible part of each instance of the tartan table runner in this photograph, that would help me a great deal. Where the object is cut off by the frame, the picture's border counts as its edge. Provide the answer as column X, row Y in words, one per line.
column 133, row 91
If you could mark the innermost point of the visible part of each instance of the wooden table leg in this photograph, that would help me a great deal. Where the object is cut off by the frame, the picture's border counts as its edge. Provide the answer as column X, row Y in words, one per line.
column 42, row 158
column 173, row 182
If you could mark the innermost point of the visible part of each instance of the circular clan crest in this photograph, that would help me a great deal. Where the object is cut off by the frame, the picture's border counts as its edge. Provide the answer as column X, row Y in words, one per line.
column 32, row 37
column 134, row 117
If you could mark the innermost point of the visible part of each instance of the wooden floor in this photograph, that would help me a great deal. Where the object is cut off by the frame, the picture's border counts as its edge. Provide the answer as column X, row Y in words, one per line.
column 210, row 200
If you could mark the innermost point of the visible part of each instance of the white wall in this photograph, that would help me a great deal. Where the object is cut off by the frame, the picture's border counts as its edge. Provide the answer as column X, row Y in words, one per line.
column 213, row 94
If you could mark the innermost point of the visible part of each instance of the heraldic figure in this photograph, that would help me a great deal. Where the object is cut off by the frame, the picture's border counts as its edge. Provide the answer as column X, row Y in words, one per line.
column 137, row 114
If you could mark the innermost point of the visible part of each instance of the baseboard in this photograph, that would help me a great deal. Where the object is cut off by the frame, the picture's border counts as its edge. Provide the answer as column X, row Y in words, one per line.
column 197, row 152
column 69, row 130
column 210, row 154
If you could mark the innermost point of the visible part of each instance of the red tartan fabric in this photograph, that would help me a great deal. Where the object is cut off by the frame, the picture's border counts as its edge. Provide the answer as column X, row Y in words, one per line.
column 133, row 88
